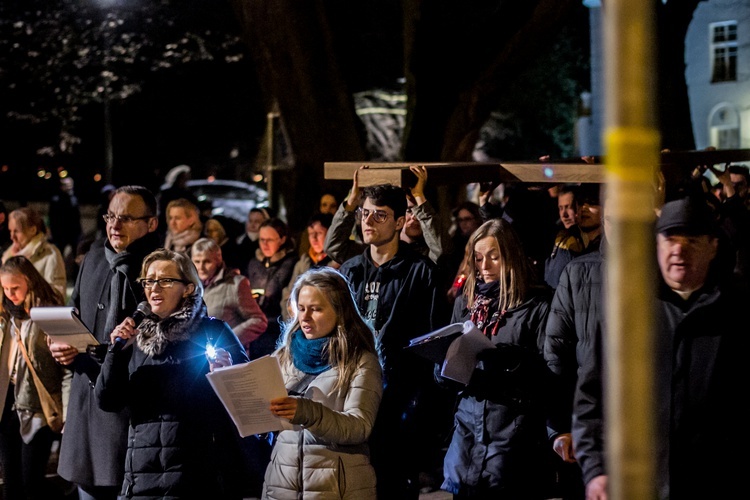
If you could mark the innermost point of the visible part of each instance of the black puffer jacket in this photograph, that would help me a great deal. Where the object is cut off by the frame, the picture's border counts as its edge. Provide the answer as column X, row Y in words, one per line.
column 573, row 352
column 499, row 441
column 181, row 442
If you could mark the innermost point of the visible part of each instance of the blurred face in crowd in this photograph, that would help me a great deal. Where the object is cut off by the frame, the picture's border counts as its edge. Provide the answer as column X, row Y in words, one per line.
column 590, row 216
column 684, row 259
column 379, row 233
column 15, row 287
column 327, row 204
column 19, row 235
column 254, row 220
column 487, row 259
column 316, row 235
column 467, row 223
column 316, row 315
column 138, row 222
column 207, row 264
column 567, row 208
column 180, row 219
column 215, row 231
column 166, row 300
column 412, row 228
column 270, row 241
column 739, row 182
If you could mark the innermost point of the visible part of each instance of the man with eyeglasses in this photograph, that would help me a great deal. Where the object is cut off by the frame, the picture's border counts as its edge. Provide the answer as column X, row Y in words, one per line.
column 423, row 230
column 92, row 453
column 396, row 293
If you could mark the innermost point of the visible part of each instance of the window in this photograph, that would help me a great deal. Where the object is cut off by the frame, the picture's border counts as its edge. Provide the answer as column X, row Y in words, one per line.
column 724, row 51
column 724, row 127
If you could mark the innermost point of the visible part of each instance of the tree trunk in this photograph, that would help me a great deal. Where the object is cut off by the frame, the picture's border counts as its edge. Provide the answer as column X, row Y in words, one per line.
column 458, row 59
column 292, row 45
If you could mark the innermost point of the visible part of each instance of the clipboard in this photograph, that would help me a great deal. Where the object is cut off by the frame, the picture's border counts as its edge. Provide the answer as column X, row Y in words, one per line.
column 434, row 345
column 63, row 325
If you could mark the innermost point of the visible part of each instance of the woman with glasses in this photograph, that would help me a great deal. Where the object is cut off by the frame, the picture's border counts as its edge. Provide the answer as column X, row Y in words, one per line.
column 269, row 272
column 333, row 377
column 499, row 447
column 25, row 434
column 181, row 442
column 28, row 232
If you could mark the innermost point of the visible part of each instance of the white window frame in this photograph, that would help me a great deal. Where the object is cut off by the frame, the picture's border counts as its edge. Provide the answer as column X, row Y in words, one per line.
column 723, row 51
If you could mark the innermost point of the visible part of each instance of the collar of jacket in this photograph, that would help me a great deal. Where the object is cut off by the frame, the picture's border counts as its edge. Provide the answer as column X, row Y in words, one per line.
column 156, row 334
column 274, row 258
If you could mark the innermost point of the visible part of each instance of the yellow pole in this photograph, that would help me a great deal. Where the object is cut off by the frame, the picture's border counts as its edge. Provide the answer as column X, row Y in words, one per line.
column 632, row 155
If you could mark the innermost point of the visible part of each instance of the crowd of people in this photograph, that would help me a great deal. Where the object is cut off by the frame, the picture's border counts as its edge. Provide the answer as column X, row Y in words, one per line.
column 136, row 417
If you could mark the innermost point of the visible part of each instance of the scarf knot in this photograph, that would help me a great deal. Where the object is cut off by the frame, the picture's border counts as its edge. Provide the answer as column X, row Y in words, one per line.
column 482, row 316
column 310, row 355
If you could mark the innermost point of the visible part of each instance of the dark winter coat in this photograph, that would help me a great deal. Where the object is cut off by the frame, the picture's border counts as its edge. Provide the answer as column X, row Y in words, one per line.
column 499, row 441
column 92, row 452
column 573, row 353
column 181, row 442
column 702, row 378
column 271, row 276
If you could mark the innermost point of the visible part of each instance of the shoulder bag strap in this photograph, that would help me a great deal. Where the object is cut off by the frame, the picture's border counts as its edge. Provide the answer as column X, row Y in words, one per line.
column 40, row 388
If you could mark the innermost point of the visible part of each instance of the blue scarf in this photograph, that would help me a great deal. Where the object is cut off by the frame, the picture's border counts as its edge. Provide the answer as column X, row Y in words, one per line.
column 310, row 356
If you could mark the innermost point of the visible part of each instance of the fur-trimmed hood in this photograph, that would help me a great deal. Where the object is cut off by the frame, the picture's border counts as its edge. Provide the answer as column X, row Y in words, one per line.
column 155, row 335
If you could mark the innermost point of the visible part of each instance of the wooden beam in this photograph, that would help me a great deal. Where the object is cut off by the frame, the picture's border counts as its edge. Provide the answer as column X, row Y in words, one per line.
column 673, row 164
column 694, row 158
column 556, row 173
column 449, row 173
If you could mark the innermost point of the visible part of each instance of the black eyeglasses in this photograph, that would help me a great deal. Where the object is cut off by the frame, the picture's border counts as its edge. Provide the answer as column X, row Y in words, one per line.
column 163, row 282
column 378, row 216
column 125, row 219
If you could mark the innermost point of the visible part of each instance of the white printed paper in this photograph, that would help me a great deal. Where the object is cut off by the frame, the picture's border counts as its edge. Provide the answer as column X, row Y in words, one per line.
column 246, row 390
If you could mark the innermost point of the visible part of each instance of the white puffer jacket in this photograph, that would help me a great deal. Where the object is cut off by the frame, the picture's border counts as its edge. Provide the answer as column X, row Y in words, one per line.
column 329, row 438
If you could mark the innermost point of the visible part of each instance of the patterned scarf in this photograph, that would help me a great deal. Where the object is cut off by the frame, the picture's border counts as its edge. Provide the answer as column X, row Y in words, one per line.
column 310, row 356
column 486, row 295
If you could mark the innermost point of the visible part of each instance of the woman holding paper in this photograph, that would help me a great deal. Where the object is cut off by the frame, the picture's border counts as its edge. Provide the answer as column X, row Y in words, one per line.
column 27, row 369
column 507, row 458
column 333, row 376
column 181, row 442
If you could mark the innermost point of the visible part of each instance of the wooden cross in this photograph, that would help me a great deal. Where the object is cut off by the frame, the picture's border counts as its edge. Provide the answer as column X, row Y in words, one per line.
column 673, row 164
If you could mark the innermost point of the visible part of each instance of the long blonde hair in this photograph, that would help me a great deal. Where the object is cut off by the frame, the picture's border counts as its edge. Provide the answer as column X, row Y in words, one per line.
column 515, row 270
column 351, row 336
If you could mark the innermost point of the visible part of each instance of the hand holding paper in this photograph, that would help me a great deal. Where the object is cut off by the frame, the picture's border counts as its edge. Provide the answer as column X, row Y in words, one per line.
column 246, row 390
column 455, row 347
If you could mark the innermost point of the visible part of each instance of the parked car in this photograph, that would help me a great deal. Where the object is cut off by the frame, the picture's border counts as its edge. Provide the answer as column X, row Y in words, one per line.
column 230, row 199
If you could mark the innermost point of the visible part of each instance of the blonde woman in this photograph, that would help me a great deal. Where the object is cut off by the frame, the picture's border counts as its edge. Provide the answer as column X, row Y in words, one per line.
column 28, row 232
column 507, row 456
column 334, row 380
column 184, row 226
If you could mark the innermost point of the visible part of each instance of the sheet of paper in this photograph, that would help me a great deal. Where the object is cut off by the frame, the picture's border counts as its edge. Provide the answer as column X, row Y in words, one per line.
column 63, row 325
column 461, row 357
column 246, row 391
